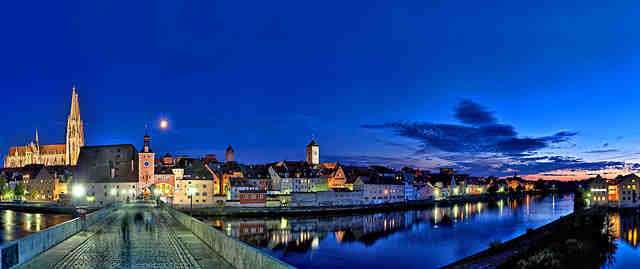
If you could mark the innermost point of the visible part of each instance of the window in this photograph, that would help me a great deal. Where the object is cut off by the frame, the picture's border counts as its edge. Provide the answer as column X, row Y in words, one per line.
column 204, row 194
column 197, row 194
column 204, row 186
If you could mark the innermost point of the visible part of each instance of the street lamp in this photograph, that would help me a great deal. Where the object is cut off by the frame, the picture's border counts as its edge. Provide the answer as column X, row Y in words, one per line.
column 191, row 191
column 78, row 191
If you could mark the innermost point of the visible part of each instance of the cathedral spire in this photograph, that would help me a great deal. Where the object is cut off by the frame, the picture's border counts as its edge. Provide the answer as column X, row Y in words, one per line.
column 75, row 130
column 37, row 140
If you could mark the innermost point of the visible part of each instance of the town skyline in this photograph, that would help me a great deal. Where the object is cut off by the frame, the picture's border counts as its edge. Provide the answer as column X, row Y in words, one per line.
column 478, row 119
column 377, row 84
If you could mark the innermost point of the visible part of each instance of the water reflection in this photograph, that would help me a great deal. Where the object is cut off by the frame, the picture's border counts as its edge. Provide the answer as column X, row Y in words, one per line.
column 18, row 224
column 625, row 228
column 396, row 238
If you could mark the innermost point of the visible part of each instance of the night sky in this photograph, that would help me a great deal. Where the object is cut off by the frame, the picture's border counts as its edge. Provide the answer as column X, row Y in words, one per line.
column 545, row 88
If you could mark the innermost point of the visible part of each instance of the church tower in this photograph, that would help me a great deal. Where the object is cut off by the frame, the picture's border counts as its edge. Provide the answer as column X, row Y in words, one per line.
column 313, row 153
column 146, row 163
column 230, row 155
column 75, row 131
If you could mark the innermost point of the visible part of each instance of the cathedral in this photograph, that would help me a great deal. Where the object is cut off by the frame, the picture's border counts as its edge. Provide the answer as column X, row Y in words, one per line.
column 50, row 155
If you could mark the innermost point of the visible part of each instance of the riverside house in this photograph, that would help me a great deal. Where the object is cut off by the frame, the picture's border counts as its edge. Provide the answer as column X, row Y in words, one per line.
column 380, row 189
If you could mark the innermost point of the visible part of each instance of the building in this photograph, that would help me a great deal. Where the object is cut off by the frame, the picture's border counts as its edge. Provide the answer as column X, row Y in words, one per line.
column 628, row 188
column 239, row 185
column 337, row 197
column 146, row 164
column 202, row 190
column 253, row 198
column 380, row 189
column 598, row 189
column 312, row 153
column 337, row 178
column 230, row 155
column 52, row 155
column 409, row 191
column 114, row 190
column 425, row 192
column 106, row 174
column 48, row 183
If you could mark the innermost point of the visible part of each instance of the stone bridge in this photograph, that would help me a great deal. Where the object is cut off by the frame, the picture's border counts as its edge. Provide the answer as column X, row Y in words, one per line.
column 137, row 236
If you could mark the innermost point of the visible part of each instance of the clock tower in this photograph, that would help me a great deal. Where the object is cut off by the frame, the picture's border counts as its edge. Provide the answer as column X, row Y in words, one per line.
column 146, row 164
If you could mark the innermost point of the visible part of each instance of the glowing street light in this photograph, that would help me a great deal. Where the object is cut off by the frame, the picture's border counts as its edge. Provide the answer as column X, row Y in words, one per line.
column 78, row 191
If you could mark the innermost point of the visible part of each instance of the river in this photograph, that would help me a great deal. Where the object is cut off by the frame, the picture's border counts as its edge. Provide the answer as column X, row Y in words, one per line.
column 426, row 238
column 624, row 228
column 14, row 225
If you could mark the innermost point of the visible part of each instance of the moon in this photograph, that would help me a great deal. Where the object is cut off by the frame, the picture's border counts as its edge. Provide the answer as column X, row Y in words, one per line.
column 164, row 124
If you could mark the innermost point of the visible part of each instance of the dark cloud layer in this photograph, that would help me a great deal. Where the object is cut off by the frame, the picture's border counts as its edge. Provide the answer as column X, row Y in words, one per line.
column 494, row 138
column 471, row 113
column 480, row 135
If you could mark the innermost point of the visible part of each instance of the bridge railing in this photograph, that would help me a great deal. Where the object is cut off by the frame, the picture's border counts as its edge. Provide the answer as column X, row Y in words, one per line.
column 237, row 253
column 23, row 249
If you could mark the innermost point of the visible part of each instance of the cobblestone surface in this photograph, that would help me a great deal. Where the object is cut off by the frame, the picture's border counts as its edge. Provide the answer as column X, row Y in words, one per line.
column 135, row 237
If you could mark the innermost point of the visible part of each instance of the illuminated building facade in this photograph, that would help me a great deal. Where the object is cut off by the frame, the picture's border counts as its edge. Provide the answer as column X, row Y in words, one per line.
column 312, row 153
column 52, row 155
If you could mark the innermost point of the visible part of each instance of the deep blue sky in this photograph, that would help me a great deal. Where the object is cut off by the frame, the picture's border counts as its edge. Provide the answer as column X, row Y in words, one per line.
column 264, row 76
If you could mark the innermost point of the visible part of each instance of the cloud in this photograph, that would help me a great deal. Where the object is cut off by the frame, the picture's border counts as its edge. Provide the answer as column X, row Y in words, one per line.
column 494, row 138
column 480, row 145
column 544, row 166
column 600, row 151
column 471, row 113
column 605, row 145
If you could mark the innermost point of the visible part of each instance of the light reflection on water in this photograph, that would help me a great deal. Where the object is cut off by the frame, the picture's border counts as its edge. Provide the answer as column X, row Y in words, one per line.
column 15, row 225
column 625, row 228
column 425, row 238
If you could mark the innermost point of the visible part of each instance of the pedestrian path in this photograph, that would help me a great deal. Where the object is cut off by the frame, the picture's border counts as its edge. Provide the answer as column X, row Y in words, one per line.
column 132, row 237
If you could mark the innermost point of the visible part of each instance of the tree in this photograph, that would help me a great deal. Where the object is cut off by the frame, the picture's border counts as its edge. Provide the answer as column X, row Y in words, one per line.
column 32, row 194
column 540, row 185
column 578, row 205
column 519, row 189
column 3, row 186
column 19, row 190
column 492, row 190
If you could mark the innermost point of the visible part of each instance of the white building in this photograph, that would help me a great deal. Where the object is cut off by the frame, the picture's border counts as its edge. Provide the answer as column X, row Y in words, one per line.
column 379, row 190
column 628, row 192
column 104, row 193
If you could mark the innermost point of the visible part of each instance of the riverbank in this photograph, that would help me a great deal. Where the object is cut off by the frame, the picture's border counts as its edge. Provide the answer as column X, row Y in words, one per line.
column 498, row 253
column 336, row 210
column 573, row 241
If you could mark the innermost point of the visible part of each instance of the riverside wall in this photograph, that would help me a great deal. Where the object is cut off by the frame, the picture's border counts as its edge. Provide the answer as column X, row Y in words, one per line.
column 21, row 250
column 237, row 253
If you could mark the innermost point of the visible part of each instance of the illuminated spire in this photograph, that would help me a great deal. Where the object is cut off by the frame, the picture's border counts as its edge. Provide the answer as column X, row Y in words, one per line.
column 37, row 140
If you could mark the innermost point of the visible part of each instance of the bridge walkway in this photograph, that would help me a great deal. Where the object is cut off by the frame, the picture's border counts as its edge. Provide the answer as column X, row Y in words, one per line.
column 135, row 236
